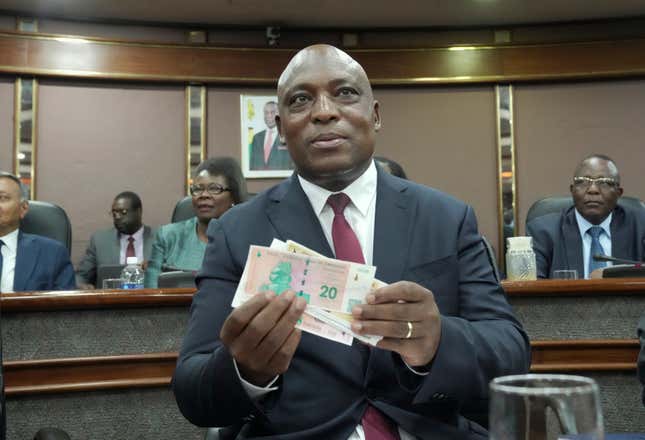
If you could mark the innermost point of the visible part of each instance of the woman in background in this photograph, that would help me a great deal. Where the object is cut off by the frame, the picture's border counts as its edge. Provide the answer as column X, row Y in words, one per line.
column 217, row 186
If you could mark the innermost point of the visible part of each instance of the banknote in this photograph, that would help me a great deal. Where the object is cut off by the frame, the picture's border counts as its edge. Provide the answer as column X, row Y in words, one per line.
column 324, row 283
column 341, row 321
column 309, row 323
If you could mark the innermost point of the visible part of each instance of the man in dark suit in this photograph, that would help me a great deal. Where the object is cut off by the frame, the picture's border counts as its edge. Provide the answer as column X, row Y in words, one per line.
column 128, row 237
column 267, row 152
column 28, row 262
column 595, row 224
column 447, row 329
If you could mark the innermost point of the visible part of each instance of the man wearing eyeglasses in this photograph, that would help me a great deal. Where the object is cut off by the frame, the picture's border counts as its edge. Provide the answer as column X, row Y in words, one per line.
column 128, row 238
column 594, row 225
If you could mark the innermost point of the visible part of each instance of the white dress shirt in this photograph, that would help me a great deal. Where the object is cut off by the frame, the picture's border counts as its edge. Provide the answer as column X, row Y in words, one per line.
column 360, row 214
column 605, row 239
column 9, row 252
column 138, row 245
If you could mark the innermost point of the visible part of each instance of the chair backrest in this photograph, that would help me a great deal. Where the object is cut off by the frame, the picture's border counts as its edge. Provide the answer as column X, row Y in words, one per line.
column 176, row 278
column 48, row 220
column 183, row 210
column 549, row 205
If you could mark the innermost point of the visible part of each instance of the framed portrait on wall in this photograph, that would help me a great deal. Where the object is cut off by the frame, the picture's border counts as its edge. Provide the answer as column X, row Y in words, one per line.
column 263, row 152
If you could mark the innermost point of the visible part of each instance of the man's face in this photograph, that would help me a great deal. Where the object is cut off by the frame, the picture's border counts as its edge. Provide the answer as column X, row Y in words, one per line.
column 126, row 220
column 594, row 201
column 12, row 210
column 270, row 112
column 328, row 116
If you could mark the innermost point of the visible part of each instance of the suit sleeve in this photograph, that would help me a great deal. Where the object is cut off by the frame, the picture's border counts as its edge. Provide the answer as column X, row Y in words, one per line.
column 483, row 341
column 157, row 256
column 64, row 278
column 86, row 270
column 206, row 386
column 543, row 255
column 641, row 356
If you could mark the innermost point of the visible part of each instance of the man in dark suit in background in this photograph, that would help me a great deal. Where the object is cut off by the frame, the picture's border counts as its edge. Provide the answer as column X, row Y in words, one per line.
column 28, row 262
column 595, row 224
column 128, row 237
column 267, row 152
column 448, row 329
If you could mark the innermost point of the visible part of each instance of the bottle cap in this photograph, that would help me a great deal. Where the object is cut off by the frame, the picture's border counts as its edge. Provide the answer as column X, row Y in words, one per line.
column 519, row 243
column 132, row 260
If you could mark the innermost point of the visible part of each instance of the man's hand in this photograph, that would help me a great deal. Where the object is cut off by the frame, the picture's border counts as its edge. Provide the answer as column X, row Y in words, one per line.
column 261, row 335
column 407, row 317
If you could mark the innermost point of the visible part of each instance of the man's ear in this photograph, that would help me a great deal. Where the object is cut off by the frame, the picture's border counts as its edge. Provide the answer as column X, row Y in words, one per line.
column 377, row 116
column 24, row 208
column 620, row 191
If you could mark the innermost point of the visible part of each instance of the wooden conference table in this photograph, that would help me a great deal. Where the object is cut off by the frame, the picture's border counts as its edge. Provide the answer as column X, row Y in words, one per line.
column 118, row 349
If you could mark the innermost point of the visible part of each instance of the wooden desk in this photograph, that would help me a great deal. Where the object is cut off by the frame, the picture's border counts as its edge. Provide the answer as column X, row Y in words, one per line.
column 610, row 360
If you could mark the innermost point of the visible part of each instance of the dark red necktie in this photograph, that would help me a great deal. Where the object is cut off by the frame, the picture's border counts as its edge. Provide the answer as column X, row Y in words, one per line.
column 129, row 251
column 376, row 425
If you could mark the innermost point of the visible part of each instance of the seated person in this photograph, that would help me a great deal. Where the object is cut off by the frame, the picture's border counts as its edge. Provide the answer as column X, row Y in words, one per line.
column 447, row 327
column 641, row 356
column 594, row 225
column 217, row 186
column 28, row 262
column 128, row 238
column 390, row 166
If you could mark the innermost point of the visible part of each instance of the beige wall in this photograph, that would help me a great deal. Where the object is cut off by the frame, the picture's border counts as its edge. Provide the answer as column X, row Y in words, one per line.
column 558, row 124
column 442, row 130
column 445, row 138
column 95, row 141
column 6, row 124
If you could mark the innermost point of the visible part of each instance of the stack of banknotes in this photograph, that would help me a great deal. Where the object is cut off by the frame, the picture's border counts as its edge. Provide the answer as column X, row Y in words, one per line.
column 330, row 287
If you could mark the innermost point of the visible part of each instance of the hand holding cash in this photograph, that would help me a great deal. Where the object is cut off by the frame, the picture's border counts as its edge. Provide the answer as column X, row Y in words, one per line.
column 344, row 300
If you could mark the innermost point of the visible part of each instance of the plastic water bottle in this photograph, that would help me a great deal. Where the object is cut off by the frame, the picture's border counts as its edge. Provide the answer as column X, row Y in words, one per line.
column 520, row 259
column 132, row 274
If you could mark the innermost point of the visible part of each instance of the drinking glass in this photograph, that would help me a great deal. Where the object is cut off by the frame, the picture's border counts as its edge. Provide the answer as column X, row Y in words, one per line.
column 565, row 274
column 112, row 283
column 545, row 407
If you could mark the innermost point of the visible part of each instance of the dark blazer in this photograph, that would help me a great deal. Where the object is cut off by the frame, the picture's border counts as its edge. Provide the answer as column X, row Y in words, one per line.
column 279, row 158
column 105, row 249
column 420, row 235
column 42, row 264
column 557, row 243
column 641, row 356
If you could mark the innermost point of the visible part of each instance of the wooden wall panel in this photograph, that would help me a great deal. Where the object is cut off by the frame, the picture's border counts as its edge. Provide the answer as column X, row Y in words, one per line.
column 93, row 58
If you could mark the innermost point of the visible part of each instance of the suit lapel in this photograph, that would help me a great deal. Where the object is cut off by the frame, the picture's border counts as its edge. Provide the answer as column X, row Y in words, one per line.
column 292, row 216
column 572, row 242
column 621, row 237
column 26, row 257
column 113, row 247
column 391, row 227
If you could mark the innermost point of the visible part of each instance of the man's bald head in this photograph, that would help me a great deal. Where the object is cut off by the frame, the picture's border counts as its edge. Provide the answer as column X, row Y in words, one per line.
column 318, row 53
column 327, row 116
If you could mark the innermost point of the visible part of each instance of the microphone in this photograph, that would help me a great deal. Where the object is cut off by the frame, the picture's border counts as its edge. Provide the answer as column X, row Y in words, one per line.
column 601, row 257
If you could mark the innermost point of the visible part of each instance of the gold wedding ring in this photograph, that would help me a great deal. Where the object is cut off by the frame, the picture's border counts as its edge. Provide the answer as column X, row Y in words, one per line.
column 409, row 335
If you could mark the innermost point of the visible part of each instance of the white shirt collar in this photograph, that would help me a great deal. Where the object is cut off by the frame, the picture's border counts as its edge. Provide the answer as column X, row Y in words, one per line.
column 137, row 235
column 584, row 225
column 361, row 191
column 11, row 240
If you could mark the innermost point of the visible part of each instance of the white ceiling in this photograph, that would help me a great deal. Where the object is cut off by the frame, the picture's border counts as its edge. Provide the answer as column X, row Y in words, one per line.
column 334, row 13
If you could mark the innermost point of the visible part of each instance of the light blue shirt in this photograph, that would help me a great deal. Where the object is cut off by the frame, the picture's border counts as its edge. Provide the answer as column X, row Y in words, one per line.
column 605, row 239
